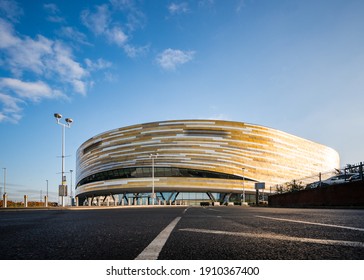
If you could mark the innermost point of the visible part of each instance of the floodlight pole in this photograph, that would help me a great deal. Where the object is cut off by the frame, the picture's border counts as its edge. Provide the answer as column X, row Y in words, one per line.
column 153, row 156
column 68, row 125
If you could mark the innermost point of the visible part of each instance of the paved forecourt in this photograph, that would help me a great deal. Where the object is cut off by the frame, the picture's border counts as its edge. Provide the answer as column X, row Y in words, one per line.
column 182, row 233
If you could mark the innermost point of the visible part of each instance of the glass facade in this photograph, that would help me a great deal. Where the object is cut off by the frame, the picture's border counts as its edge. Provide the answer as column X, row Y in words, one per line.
column 144, row 172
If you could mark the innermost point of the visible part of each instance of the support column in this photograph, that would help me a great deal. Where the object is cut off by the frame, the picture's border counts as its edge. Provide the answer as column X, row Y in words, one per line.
column 210, row 195
column 170, row 197
column 114, row 198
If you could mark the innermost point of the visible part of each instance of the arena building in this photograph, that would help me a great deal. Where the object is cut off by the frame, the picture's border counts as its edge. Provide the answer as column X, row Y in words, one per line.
column 190, row 161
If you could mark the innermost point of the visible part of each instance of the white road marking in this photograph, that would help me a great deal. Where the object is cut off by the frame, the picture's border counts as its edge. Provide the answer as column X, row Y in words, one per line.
column 151, row 252
column 279, row 237
column 214, row 210
column 310, row 223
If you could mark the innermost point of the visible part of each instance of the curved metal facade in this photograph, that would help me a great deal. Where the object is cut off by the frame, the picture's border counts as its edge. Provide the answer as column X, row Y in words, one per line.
column 195, row 156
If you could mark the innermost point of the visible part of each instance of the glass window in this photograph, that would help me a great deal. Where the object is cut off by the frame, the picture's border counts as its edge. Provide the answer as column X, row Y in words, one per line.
column 142, row 172
column 159, row 172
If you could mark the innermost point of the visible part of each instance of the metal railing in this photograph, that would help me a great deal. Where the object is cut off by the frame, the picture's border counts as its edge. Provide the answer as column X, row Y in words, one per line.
column 349, row 173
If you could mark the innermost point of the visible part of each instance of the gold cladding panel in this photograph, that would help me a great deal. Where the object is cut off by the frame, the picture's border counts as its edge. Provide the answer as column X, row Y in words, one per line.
column 267, row 155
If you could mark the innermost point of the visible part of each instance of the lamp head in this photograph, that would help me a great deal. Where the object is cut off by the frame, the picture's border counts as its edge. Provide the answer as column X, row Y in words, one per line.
column 69, row 121
column 58, row 116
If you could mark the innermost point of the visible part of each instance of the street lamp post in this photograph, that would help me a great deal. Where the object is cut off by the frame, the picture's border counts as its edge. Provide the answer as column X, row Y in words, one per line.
column 5, row 202
column 243, row 185
column 63, row 182
column 71, row 188
column 46, row 200
column 153, row 156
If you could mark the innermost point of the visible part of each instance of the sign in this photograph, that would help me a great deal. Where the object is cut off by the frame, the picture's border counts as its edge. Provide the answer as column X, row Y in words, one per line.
column 260, row 186
column 62, row 190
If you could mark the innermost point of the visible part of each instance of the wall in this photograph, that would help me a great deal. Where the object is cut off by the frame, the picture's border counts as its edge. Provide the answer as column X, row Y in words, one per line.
column 343, row 195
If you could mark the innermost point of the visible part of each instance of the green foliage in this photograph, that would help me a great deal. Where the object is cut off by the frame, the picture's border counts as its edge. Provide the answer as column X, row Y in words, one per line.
column 292, row 186
column 295, row 186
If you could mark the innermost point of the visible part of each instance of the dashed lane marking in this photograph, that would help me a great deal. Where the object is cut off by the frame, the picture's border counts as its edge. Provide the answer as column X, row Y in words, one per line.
column 151, row 252
column 311, row 223
column 278, row 237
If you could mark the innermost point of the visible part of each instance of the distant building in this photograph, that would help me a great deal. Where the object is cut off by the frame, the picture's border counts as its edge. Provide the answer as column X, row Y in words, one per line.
column 194, row 160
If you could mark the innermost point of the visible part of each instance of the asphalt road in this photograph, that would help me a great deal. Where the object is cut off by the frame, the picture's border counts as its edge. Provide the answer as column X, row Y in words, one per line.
column 182, row 233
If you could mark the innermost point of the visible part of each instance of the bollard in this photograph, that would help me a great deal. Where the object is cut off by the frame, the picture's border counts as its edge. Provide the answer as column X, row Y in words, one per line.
column 89, row 203
column 46, row 201
column 5, row 200
column 25, row 201
column 76, row 201
column 129, row 201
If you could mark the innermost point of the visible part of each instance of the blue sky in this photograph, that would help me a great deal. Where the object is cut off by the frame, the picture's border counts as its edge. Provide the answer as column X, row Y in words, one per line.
column 296, row 66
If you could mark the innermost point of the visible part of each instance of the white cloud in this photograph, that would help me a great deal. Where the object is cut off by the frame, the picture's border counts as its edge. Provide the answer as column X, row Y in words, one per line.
column 122, row 4
column 206, row 3
column 29, row 55
column 51, row 8
column 79, row 86
column 97, row 22
column 134, row 17
column 169, row 59
column 66, row 68
column 10, row 110
column 179, row 8
column 117, row 36
column 73, row 34
column 33, row 64
column 34, row 91
column 101, row 22
column 133, row 51
column 54, row 13
column 100, row 64
column 41, row 56
column 7, row 39
column 10, row 10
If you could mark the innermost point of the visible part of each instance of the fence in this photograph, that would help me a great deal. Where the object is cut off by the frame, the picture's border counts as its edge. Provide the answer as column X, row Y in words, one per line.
column 351, row 172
